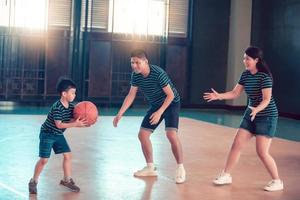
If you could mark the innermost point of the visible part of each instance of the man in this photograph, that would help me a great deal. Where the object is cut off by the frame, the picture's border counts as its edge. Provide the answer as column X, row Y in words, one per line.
column 164, row 104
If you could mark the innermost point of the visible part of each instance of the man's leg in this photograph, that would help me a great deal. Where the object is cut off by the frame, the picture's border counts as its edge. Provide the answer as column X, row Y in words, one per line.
column 149, row 170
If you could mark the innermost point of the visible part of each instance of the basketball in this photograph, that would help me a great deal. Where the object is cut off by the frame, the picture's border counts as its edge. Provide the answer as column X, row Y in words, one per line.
column 87, row 110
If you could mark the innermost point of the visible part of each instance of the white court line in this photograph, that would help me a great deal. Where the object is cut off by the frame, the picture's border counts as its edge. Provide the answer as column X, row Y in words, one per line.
column 12, row 190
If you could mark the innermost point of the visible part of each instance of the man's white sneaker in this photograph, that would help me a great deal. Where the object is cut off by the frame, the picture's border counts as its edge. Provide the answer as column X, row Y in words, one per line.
column 274, row 185
column 222, row 179
column 180, row 175
column 146, row 171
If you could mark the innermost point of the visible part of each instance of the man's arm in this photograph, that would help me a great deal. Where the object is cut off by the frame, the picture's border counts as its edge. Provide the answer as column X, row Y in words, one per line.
column 155, row 117
column 126, row 104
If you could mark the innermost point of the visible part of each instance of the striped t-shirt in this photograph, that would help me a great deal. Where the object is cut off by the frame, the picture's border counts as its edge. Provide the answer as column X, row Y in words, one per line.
column 152, row 85
column 57, row 112
column 253, row 84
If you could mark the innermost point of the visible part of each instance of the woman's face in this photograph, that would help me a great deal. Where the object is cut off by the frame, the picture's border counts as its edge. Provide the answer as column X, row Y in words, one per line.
column 250, row 63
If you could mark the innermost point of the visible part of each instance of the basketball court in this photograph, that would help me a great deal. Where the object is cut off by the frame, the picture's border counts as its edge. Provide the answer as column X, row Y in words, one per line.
column 104, row 159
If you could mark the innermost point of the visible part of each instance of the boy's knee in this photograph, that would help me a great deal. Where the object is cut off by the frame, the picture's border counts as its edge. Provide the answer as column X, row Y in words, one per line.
column 43, row 161
column 67, row 156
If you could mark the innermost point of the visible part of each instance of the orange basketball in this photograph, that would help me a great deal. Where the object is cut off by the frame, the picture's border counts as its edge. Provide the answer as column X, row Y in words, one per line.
column 87, row 110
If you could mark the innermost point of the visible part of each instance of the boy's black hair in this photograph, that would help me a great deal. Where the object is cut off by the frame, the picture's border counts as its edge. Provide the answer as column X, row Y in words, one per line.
column 139, row 53
column 64, row 84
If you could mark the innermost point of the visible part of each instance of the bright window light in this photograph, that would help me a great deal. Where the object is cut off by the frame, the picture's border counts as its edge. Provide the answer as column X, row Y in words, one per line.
column 142, row 17
column 30, row 14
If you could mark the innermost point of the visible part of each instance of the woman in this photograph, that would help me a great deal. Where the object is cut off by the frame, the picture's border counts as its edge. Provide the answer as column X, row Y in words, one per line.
column 260, row 117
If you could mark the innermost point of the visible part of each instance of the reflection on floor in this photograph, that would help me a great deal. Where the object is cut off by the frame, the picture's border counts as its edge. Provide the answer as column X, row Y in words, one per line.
column 104, row 159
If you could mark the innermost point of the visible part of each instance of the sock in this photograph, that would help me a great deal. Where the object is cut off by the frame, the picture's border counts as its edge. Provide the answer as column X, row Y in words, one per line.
column 180, row 165
column 33, row 180
column 67, row 179
column 225, row 173
column 150, row 165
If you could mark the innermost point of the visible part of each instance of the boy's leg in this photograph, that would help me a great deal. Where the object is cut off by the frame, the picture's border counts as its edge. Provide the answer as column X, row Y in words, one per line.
column 61, row 147
column 32, row 185
column 67, row 165
column 45, row 146
column 67, row 180
column 39, row 168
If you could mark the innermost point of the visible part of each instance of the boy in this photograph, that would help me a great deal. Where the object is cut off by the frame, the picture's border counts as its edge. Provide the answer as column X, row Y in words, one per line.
column 51, row 135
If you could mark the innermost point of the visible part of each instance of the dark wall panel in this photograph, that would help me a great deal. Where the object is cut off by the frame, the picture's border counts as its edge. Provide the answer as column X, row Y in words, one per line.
column 277, row 32
column 57, row 63
column 176, row 67
column 209, row 48
column 99, row 83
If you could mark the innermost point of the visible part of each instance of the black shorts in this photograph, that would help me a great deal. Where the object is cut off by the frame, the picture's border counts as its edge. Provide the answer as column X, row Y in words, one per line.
column 171, row 117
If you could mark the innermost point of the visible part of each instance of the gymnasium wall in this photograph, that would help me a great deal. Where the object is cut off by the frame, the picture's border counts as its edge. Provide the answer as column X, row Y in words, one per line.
column 209, row 49
column 276, row 29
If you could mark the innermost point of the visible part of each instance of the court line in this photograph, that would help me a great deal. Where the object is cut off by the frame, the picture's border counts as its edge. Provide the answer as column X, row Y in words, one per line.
column 13, row 190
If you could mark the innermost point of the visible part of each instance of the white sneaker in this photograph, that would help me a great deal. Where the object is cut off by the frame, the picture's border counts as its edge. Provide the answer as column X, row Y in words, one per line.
column 222, row 179
column 274, row 185
column 180, row 175
column 146, row 171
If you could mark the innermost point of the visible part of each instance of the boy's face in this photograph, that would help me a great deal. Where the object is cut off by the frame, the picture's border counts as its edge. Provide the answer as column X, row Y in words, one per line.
column 138, row 65
column 70, row 94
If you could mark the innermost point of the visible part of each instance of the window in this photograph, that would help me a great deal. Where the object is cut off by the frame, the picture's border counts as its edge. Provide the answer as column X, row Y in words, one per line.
column 26, row 14
column 142, row 17
column 138, row 17
column 60, row 14
column 97, row 15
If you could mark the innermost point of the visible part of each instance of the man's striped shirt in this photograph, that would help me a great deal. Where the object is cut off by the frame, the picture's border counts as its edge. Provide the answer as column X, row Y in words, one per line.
column 152, row 85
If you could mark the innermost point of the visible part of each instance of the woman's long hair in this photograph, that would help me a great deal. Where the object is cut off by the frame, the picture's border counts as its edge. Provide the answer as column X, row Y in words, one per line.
column 255, row 52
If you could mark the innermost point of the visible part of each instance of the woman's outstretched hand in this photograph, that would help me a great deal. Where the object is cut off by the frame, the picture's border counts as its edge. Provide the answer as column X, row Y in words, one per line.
column 211, row 96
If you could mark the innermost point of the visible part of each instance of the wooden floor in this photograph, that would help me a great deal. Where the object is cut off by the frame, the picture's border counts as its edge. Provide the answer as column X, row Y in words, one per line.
column 104, row 159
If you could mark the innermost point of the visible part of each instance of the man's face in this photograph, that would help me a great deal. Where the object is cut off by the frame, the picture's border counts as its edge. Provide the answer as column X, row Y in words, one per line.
column 138, row 65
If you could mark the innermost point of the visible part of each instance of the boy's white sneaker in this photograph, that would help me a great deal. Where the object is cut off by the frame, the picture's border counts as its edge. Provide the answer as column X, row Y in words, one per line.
column 146, row 171
column 274, row 185
column 222, row 179
column 180, row 175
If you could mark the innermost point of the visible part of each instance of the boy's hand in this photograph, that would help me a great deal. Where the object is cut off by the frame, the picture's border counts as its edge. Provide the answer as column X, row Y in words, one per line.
column 81, row 122
column 116, row 120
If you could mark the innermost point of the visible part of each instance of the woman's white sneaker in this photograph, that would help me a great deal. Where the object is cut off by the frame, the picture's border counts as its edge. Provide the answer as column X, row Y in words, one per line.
column 274, row 185
column 146, row 171
column 222, row 179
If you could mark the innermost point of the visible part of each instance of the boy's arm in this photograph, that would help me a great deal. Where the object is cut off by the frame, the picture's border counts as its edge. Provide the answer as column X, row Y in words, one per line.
column 155, row 117
column 73, row 123
column 126, row 104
